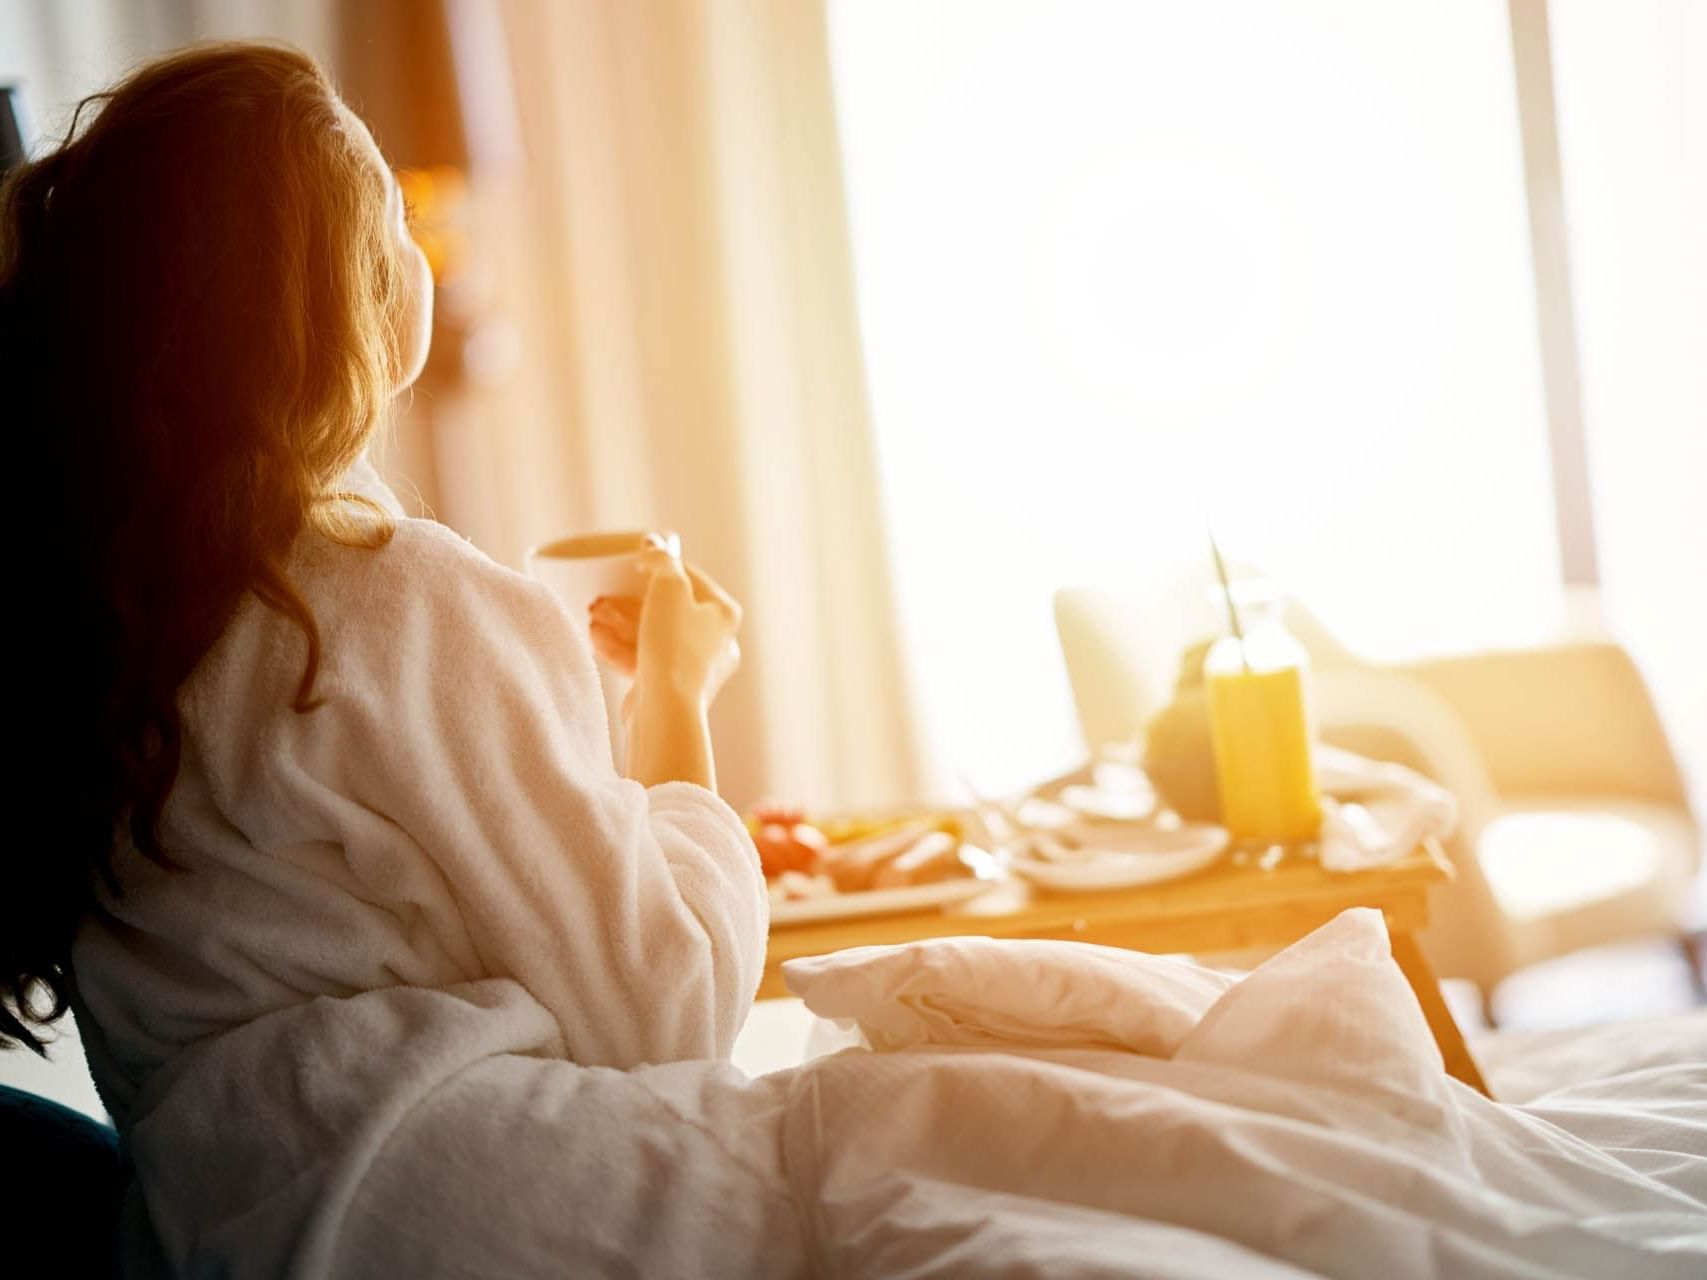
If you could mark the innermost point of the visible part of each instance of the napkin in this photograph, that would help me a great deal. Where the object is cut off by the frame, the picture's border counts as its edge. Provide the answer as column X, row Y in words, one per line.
column 1373, row 812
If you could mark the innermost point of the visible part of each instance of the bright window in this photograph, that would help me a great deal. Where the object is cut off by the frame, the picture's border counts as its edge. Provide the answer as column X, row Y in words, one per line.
column 1123, row 266
column 1632, row 92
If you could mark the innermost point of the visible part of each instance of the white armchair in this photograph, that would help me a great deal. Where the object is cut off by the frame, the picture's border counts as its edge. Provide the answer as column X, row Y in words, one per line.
column 1576, row 827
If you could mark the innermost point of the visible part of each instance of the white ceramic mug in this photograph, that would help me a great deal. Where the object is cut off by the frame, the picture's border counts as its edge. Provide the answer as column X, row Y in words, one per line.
column 581, row 568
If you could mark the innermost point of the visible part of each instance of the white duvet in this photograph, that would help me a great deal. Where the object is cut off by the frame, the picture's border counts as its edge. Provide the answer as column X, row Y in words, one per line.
column 1302, row 1123
column 1037, row 1109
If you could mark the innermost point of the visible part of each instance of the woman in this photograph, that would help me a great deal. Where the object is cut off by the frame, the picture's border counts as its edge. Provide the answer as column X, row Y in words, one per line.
column 336, row 818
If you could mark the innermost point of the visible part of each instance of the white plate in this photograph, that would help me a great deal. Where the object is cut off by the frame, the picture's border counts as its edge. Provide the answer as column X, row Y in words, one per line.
column 877, row 902
column 1126, row 859
column 1129, row 805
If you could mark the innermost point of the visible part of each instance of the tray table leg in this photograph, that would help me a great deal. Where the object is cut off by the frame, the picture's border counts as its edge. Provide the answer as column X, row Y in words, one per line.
column 1420, row 974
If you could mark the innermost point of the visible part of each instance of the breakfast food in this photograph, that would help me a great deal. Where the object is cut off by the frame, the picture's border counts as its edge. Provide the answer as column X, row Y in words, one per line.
column 785, row 840
column 934, row 856
column 854, row 865
column 1179, row 757
column 797, row 886
column 858, row 826
column 803, row 860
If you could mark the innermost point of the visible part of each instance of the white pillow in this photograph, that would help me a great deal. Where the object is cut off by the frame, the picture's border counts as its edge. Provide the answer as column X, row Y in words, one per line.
column 1332, row 1009
column 995, row 993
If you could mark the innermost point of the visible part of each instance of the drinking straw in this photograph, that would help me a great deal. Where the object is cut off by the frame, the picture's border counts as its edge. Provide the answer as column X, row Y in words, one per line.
column 1227, row 595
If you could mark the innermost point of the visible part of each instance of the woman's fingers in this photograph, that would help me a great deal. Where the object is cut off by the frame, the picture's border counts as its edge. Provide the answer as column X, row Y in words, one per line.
column 655, row 556
column 667, row 584
column 659, row 556
column 686, row 627
column 707, row 590
column 623, row 654
column 620, row 613
column 613, row 623
column 667, row 579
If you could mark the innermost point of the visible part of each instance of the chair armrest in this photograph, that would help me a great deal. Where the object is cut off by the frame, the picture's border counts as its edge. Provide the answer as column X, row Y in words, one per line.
column 1389, row 716
column 1567, row 719
column 1113, row 690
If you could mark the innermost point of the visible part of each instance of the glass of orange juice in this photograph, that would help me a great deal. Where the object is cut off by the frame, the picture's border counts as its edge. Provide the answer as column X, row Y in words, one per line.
column 1259, row 717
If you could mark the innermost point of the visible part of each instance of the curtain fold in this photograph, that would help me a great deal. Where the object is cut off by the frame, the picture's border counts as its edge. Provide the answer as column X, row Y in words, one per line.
column 670, row 255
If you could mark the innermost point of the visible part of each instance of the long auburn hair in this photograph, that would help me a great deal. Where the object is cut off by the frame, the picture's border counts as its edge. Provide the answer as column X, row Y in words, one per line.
column 200, row 294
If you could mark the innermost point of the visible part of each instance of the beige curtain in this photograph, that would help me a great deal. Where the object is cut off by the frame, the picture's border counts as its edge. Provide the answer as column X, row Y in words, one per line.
column 670, row 258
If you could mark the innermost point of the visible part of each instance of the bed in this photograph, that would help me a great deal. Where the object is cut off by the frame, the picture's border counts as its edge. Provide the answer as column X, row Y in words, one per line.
column 1022, row 1109
column 1520, row 1065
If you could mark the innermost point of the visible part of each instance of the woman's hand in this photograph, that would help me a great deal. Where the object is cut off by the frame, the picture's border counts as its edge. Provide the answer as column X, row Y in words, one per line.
column 613, row 622
column 678, row 642
column 686, row 631
column 682, row 633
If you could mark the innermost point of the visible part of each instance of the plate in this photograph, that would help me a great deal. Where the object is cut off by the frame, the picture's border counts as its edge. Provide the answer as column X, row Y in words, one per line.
column 877, row 902
column 1125, row 859
column 1128, row 805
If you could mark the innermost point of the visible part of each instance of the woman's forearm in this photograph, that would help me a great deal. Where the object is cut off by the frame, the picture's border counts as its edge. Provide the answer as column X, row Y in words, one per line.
column 669, row 738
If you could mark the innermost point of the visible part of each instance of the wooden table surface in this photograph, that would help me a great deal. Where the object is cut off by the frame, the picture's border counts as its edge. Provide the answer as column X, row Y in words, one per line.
column 1223, row 908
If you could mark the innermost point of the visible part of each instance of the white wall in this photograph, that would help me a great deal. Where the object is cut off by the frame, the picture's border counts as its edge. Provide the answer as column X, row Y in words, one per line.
column 62, row 1076
column 61, row 50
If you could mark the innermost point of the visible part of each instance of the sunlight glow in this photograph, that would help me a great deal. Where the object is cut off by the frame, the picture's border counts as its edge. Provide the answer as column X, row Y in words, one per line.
column 1122, row 265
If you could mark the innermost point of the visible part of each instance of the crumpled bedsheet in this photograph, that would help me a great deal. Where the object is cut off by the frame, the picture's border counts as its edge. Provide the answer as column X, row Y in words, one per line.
column 1153, row 1122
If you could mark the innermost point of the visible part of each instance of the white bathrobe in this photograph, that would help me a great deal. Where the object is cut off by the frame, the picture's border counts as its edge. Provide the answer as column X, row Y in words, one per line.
column 437, row 865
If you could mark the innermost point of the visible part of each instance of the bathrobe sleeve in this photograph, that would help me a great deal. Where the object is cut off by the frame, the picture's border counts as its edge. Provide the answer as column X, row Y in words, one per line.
column 462, row 707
